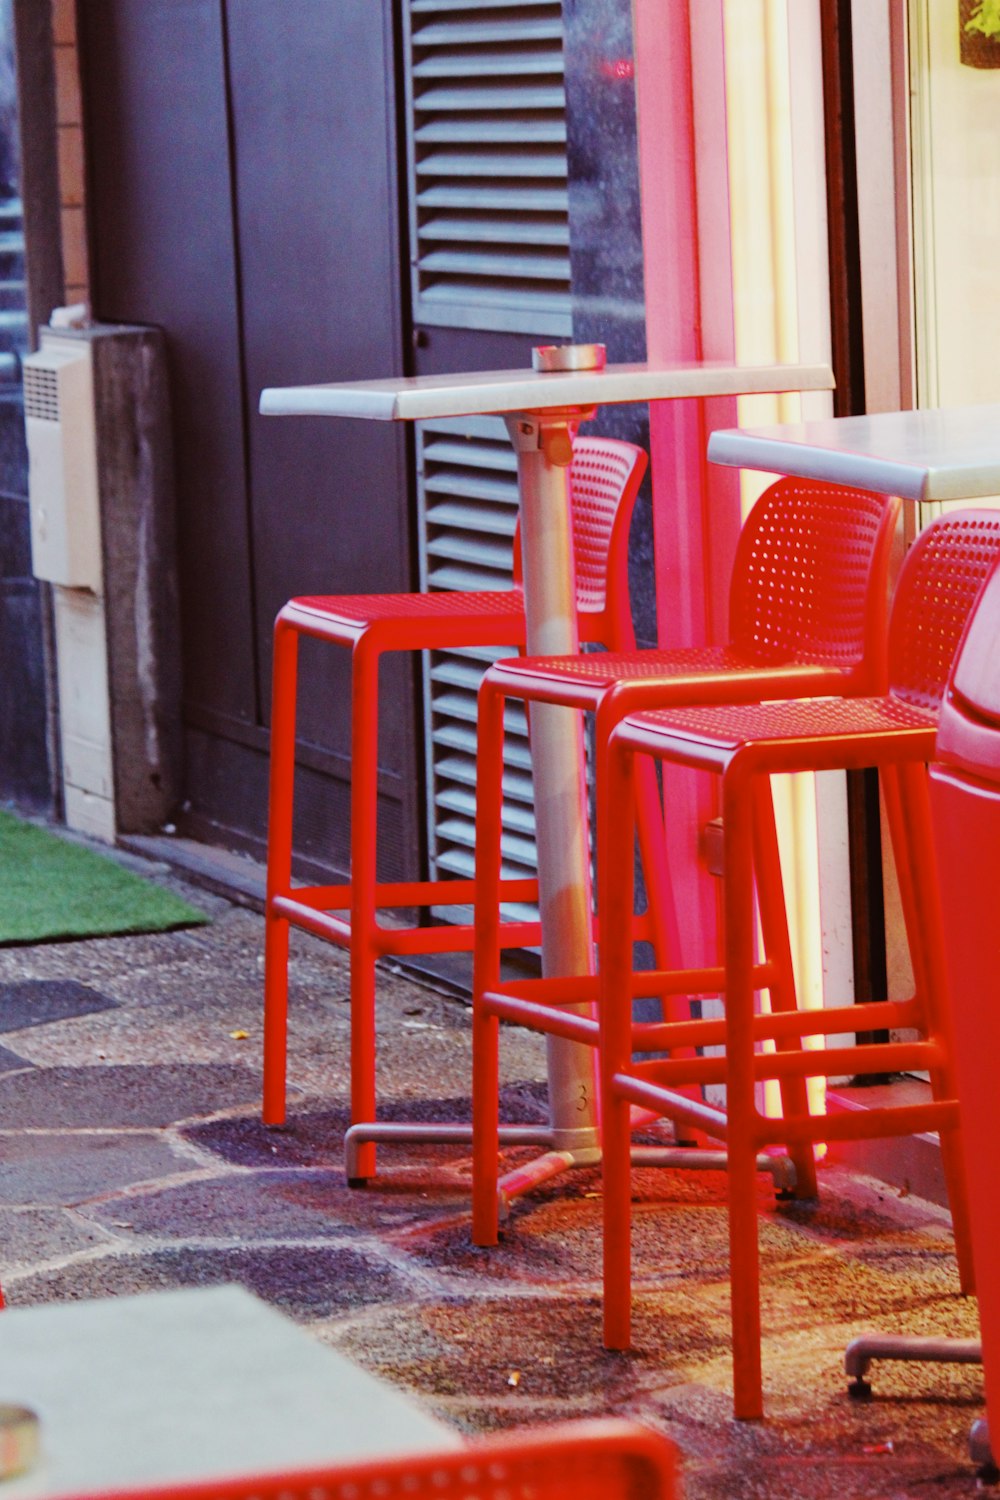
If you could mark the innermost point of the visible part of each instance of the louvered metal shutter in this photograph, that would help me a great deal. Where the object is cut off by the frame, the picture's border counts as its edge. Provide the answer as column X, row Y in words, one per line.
column 489, row 225
column 467, row 483
column 486, row 112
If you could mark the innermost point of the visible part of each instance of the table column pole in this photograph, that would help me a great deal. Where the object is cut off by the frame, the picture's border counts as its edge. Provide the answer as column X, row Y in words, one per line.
column 542, row 441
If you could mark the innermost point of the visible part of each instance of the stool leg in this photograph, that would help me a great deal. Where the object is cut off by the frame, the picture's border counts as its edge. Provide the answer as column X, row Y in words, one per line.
column 777, row 947
column 656, row 873
column 364, row 824
column 741, row 1143
column 486, row 966
column 615, row 869
column 648, row 823
column 279, row 869
column 907, row 802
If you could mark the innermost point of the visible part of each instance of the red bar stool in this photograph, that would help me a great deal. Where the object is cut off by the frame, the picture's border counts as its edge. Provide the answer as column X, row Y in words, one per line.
column 605, row 476
column 807, row 610
column 965, row 803
column 938, row 585
column 807, row 618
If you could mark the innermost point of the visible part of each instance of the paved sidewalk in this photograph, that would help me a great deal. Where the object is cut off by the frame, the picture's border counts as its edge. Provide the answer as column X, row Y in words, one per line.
column 132, row 1158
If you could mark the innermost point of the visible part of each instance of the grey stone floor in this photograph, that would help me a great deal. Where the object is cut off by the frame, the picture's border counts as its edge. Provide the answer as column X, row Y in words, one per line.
column 132, row 1158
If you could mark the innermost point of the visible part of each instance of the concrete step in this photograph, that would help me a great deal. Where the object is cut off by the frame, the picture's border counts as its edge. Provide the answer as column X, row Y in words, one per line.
column 909, row 1163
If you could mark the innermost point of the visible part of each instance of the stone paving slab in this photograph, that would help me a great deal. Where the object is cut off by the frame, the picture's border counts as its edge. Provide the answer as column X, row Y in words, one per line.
column 279, row 1205
column 36, row 1002
column 307, row 1282
column 12, row 1062
column 101, row 1097
column 132, row 1158
column 30, row 1236
column 63, row 1167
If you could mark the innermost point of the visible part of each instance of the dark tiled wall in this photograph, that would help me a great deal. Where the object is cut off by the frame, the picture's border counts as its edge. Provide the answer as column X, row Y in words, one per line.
column 24, row 776
column 606, row 236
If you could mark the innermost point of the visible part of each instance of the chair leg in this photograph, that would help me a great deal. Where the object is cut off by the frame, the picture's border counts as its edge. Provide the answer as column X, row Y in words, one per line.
column 486, row 967
column 616, row 896
column 907, row 801
column 741, row 1143
column 777, row 947
column 279, row 870
column 364, row 821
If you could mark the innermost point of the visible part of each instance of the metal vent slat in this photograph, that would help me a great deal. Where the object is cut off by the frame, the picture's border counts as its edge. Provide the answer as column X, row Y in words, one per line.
column 461, row 737
column 474, row 487
column 458, row 830
column 481, row 263
column 489, row 100
column 475, row 519
column 491, row 198
column 516, row 820
column 436, row 7
column 474, row 433
column 455, row 672
column 466, row 132
column 453, row 704
column 466, row 452
column 462, row 769
column 472, row 32
column 496, row 231
column 515, row 63
column 526, row 163
column 467, row 549
column 455, row 579
column 453, row 294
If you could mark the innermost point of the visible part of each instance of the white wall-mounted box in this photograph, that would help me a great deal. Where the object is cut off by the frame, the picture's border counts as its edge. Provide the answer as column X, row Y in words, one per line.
column 59, row 420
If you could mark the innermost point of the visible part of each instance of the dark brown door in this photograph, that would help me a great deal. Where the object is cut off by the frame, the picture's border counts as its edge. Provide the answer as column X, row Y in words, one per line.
column 244, row 196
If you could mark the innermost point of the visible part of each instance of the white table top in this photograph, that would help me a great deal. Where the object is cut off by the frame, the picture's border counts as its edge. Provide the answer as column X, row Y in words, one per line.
column 185, row 1385
column 949, row 453
column 420, row 397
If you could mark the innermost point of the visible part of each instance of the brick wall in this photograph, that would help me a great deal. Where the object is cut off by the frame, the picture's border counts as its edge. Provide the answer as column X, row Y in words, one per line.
column 69, row 120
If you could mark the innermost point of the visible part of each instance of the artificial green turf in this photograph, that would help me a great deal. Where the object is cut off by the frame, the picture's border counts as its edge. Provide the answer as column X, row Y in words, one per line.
column 51, row 889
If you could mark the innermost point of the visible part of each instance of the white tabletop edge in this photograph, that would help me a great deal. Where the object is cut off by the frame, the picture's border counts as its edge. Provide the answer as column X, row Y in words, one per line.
column 498, row 391
column 744, row 450
column 941, row 453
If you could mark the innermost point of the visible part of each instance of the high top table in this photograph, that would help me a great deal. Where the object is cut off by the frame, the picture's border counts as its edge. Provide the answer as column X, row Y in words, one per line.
column 947, row 453
column 542, row 409
column 942, row 454
column 180, row 1386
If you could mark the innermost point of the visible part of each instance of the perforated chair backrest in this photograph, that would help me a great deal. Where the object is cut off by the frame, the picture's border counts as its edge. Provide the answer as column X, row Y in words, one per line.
column 585, row 1460
column 604, row 479
column 969, row 730
column 810, row 579
column 939, row 582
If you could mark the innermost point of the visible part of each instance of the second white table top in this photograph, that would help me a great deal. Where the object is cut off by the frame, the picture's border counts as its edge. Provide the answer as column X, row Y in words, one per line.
column 945, row 453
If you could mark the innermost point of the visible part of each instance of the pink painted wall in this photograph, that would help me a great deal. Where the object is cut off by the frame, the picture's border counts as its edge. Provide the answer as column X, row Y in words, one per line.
column 683, row 173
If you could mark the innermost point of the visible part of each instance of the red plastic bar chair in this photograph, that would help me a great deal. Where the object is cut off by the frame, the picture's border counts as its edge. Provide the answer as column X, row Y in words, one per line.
column 598, row 1460
column 807, row 618
column 965, row 803
column 744, row 746
column 604, row 479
